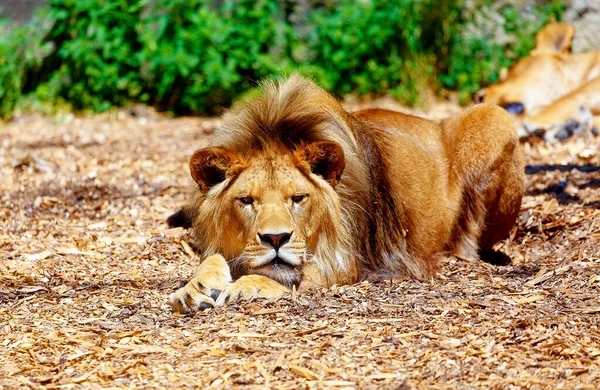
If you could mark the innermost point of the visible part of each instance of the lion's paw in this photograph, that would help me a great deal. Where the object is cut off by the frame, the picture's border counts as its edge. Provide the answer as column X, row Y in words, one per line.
column 251, row 286
column 209, row 280
column 193, row 296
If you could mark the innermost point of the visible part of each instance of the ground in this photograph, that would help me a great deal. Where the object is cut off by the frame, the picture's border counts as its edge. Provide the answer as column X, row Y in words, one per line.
column 87, row 264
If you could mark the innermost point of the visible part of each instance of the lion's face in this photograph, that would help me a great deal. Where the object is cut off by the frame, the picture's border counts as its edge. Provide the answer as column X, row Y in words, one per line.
column 274, row 210
column 267, row 212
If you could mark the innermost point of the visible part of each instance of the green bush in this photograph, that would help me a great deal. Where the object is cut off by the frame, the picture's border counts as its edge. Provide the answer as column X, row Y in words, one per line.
column 489, row 38
column 195, row 56
column 21, row 51
column 97, row 45
column 374, row 46
column 11, row 73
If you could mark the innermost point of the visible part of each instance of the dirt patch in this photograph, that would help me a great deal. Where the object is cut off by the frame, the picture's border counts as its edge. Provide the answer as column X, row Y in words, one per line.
column 87, row 263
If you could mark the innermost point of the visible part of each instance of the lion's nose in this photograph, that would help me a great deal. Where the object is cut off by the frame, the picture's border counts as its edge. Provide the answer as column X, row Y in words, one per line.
column 275, row 240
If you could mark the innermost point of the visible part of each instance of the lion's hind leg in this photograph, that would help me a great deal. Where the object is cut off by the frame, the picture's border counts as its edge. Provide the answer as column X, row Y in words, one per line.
column 572, row 114
column 211, row 277
column 486, row 179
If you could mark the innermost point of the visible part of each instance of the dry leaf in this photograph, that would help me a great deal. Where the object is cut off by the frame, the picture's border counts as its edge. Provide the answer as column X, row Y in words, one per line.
column 37, row 255
column 303, row 372
column 531, row 299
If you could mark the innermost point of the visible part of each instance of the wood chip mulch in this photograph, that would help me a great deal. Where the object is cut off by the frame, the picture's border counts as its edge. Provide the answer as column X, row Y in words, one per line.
column 87, row 264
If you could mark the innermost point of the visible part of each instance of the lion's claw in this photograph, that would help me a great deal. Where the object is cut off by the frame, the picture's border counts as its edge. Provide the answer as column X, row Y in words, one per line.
column 190, row 298
column 214, row 294
column 201, row 292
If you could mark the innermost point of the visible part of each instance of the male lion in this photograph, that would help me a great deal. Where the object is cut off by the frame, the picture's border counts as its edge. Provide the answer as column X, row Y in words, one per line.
column 554, row 92
column 295, row 191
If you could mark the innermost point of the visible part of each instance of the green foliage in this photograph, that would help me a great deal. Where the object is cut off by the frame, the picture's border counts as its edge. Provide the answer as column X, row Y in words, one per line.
column 21, row 50
column 97, row 61
column 482, row 45
column 11, row 74
column 374, row 46
column 195, row 56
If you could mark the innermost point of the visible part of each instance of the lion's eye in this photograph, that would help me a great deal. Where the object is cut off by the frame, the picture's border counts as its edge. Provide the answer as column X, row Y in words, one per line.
column 298, row 198
column 246, row 200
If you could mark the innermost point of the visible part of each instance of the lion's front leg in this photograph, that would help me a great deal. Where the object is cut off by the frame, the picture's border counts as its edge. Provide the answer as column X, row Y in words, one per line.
column 211, row 278
column 258, row 286
column 251, row 286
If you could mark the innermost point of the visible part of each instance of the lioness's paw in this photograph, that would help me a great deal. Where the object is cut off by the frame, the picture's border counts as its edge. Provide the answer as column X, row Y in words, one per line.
column 251, row 286
column 211, row 277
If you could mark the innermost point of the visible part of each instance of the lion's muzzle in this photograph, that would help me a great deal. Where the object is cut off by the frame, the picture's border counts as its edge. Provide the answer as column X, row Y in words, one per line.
column 281, row 271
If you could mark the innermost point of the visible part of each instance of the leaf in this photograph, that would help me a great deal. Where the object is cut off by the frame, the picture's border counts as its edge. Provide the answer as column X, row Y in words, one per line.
column 531, row 299
column 303, row 372
column 37, row 255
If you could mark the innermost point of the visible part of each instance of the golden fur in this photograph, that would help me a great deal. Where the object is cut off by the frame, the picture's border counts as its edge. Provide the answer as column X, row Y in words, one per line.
column 296, row 192
column 553, row 91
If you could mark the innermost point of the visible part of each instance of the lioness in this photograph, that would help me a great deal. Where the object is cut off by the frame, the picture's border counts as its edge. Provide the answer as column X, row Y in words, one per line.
column 295, row 191
column 553, row 92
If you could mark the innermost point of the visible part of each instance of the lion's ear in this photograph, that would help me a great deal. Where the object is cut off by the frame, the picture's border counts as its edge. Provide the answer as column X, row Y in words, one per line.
column 323, row 158
column 554, row 38
column 209, row 166
column 503, row 75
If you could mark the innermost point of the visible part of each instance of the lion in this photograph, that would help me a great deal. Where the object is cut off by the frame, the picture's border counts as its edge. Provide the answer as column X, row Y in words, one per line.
column 296, row 193
column 553, row 92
